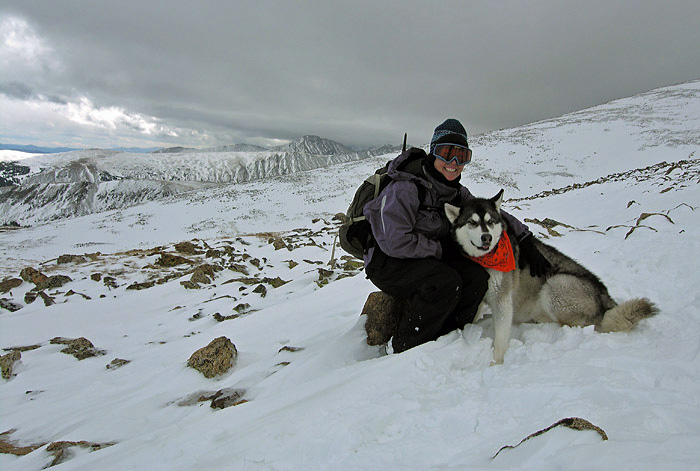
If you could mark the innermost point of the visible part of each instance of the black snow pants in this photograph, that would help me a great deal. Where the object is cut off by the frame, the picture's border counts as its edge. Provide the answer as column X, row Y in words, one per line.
column 442, row 295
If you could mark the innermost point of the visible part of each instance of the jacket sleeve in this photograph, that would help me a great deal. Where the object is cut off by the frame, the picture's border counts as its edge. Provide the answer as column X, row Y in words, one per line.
column 392, row 216
column 521, row 230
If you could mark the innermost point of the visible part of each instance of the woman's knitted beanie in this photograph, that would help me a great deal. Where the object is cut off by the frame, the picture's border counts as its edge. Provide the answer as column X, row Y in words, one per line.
column 450, row 131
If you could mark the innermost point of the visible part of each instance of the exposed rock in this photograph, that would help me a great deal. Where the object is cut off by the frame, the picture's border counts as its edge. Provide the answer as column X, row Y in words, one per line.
column 30, row 297
column 117, row 363
column 52, row 282
column 73, row 293
column 216, row 358
column 351, row 264
column 197, row 397
column 189, row 284
column 62, row 453
column 238, row 267
column 220, row 399
column 187, row 248
column 261, row 290
column 241, row 308
column 278, row 243
column 96, row 277
column 9, row 283
column 48, row 300
column 170, row 260
column 219, row 318
column 323, row 276
column 8, row 361
column 245, row 281
column 275, row 282
column 383, row 313
column 66, row 258
column 81, row 348
column 214, row 253
column 9, row 305
column 291, row 263
column 10, row 447
column 26, row 348
column 110, row 282
column 32, row 275
column 168, row 277
column 140, row 286
column 227, row 397
column 204, row 273
column 287, row 348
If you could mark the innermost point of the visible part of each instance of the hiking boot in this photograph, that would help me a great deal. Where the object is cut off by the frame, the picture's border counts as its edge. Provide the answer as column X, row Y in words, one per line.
column 383, row 312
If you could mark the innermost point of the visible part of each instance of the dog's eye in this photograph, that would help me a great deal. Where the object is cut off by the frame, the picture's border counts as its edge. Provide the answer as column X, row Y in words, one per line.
column 491, row 223
column 472, row 224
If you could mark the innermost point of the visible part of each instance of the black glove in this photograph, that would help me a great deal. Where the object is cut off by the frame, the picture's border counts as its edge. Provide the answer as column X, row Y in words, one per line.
column 530, row 255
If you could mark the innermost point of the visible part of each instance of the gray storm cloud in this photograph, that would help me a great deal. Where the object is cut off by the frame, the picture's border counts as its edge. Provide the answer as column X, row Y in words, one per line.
column 362, row 73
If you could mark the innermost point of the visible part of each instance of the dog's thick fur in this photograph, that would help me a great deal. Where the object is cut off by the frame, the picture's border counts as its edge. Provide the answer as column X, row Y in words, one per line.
column 568, row 294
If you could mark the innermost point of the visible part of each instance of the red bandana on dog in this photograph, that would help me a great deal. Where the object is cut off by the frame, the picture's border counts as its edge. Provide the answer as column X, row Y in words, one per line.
column 501, row 258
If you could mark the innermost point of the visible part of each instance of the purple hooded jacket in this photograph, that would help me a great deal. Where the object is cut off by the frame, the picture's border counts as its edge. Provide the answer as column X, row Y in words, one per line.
column 405, row 228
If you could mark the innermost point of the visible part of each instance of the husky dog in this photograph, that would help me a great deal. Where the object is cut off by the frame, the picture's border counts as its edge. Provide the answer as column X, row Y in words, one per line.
column 568, row 294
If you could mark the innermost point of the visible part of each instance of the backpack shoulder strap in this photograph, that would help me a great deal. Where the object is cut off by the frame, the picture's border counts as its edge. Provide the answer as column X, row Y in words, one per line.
column 376, row 180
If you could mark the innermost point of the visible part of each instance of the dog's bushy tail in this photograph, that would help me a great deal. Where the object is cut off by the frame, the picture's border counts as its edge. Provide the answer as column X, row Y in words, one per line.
column 625, row 316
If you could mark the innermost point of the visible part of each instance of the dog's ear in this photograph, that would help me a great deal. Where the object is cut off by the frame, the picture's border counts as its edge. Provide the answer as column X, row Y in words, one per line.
column 498, row 199
column 452, row 212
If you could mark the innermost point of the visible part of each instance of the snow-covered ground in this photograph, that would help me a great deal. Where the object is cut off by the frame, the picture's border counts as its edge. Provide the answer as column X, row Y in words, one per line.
column 328, row 400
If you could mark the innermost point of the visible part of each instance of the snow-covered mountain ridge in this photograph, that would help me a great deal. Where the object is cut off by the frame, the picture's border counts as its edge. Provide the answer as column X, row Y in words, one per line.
column 136, row 292
column 50, row 187
column 84, row 182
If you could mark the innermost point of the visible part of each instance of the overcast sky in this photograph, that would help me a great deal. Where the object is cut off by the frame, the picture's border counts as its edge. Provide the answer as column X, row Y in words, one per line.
column 203, row 73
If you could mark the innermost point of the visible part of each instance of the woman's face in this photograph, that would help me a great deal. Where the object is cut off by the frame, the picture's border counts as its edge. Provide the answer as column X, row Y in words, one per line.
column 449, row 170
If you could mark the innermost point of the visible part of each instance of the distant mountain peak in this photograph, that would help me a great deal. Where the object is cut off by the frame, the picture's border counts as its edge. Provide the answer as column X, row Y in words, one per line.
column 242, row 147
column 173, row 150
column 312, row 144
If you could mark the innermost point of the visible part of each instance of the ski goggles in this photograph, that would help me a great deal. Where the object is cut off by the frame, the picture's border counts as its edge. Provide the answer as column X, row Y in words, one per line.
column 448, row 152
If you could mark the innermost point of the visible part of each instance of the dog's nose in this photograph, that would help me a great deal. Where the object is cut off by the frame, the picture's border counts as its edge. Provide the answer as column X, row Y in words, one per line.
column 486, row 238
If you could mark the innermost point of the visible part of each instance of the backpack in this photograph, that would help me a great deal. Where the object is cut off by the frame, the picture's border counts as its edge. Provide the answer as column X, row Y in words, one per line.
column 355, row 232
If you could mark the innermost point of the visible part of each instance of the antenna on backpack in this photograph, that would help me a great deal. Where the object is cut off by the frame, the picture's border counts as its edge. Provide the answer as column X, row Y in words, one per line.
column 403, row 149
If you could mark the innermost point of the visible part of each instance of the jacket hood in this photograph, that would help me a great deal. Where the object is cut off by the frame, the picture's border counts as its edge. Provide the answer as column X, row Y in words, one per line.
column 409, row 166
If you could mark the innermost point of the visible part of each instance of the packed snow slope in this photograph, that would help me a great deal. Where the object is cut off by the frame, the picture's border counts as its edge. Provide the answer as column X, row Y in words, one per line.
column 618, row 192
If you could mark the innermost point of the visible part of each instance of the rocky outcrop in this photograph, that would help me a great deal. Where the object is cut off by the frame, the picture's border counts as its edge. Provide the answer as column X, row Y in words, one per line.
column 81, row 348
column 383, row 312
column 32, row 275
column 9, row 305
column 172, row 260
column 215, row 359
column 220, row 399
column 7, row 363
column 188, row 248
column 68, row 258
column 30, row 297
column 61, row 450
column 41, row 281
column 9, row 284
column 117, row 363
